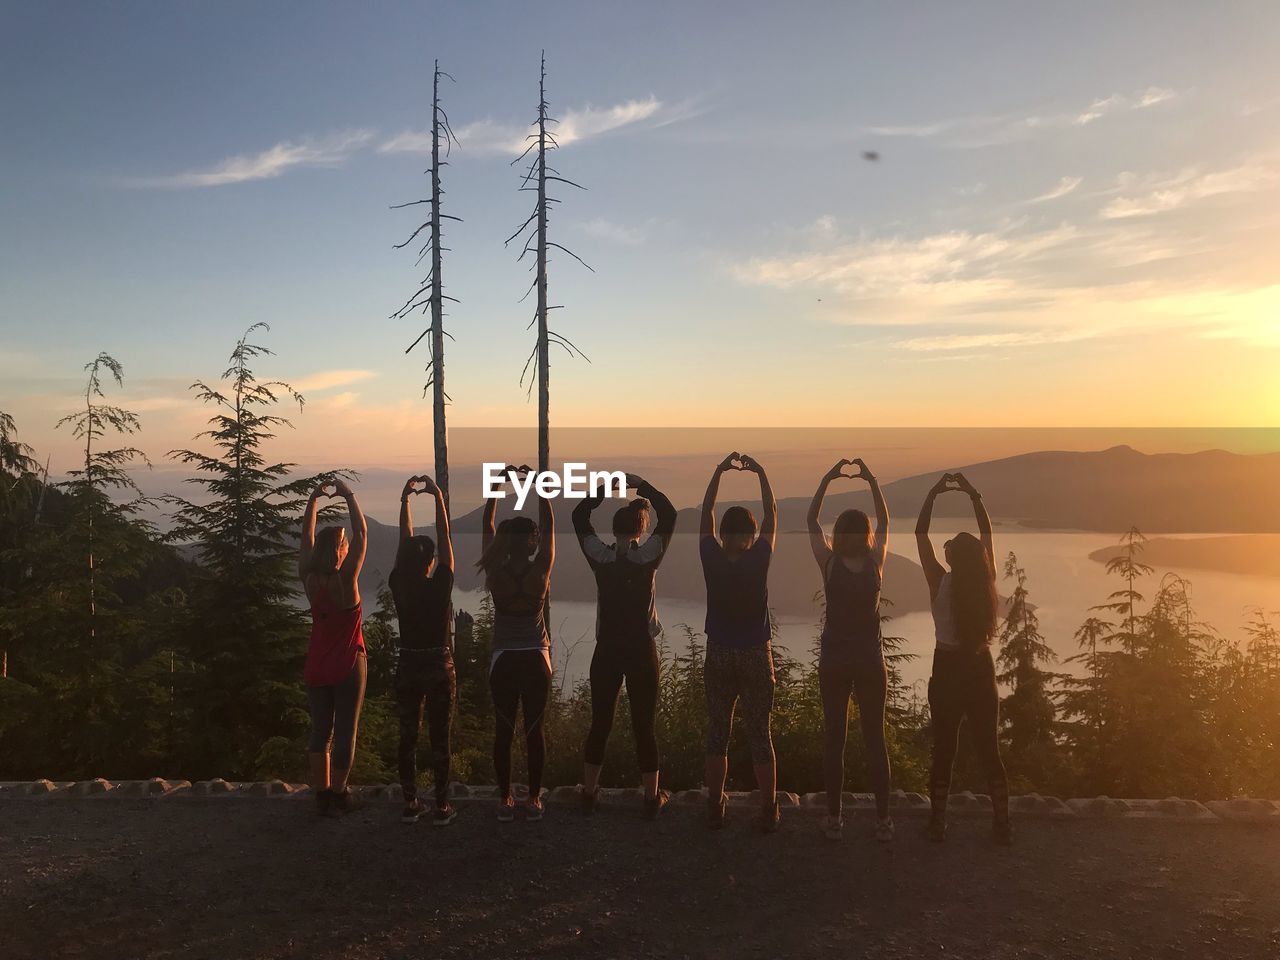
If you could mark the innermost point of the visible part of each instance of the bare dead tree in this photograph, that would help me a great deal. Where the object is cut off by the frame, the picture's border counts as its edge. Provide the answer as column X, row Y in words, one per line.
column 533, row 234
column 430, row 296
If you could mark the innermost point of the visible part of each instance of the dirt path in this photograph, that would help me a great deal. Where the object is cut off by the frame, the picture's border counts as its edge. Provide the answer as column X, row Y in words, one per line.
column 242, row 878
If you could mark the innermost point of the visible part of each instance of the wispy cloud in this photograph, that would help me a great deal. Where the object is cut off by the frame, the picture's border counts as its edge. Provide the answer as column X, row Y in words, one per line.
column 1118, row 102
column 986, row 341
column 1019, row 286
column 328, row 379
column 494, row 137
column 330, row 151
column 1186, row 187
column 1064, row 186
column 991, row 130
column 612, row 232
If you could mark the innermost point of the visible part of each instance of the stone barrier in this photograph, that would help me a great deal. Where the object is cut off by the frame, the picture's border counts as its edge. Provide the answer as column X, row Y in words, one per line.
column 963, row 804
column 1171, row 808
column 1242, row 810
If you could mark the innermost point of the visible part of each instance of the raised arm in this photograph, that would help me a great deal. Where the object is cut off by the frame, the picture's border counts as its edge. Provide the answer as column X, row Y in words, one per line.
column 547, row 534
column 486, row 521
column 881, row 545
column 406, row 513
column 662, row 508
column 708, row 525
column 444, row 536
column 359, row 533
column 308, row 542
column 818, row 540
column 582, row 518
column 768, row 502
column 980, row 514
column 933, row 570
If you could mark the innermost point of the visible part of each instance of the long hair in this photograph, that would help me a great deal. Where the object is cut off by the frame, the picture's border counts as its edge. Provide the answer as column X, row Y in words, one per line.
column 414, row 556
column 324, row 555
column 737, row 521
column 632, row 520
column 511, row 534
column 851, row 536
column 973, row 591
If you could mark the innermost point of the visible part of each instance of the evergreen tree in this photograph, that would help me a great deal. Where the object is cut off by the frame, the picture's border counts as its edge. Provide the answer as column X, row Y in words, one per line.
column 1085, row 707
column 1028, row 715
column 247, row 633
column 102, row 471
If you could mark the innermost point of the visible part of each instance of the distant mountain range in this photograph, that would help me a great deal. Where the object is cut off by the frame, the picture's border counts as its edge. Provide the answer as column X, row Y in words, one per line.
column 1104, row 491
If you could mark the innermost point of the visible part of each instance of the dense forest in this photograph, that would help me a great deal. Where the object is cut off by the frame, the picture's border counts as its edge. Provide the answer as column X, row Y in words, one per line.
column 131, row 651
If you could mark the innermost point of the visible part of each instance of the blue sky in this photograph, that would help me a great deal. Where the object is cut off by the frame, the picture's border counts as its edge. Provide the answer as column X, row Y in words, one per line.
column 1068, row 197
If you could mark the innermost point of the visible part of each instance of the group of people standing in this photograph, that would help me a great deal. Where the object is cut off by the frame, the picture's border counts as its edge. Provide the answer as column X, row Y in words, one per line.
column 516, row 562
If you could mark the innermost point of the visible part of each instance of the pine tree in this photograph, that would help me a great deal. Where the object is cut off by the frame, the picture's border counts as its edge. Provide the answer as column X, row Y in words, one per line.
column 247, row 633
column 1085, row 707
column 102, row 471
column 1028, row 713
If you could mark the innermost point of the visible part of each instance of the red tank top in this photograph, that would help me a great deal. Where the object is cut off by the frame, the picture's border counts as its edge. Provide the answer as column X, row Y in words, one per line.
column 336, row 641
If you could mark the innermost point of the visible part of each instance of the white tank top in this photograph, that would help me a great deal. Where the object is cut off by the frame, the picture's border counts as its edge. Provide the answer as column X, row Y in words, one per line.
column 944, row 630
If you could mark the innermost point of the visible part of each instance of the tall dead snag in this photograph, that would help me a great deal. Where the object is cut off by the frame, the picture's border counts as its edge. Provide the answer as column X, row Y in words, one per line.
column 430, row 296
column 533, row 233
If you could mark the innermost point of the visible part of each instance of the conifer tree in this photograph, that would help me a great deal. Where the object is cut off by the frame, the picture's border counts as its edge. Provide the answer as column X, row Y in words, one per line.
column 1028, row 715
column 247, row 632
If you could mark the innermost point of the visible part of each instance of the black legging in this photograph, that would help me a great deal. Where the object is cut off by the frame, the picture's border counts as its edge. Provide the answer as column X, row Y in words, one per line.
column 637, row 664
column 868, row 679
column 425, row 678
column 520, row 681
column 963, row 688
column 335, row 716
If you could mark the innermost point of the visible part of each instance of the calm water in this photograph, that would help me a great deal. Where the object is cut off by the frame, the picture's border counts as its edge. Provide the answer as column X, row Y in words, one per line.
column 1062, row 580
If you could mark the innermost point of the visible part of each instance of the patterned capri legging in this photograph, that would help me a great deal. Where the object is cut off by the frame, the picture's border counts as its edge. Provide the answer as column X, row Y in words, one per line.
column 739, row 674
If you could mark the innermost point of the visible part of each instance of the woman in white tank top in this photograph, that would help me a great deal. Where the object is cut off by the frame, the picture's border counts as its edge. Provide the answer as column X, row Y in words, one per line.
column 963, row 684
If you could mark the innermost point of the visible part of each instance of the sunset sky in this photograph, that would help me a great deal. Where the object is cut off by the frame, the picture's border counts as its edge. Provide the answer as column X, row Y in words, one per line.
column 1073, row 220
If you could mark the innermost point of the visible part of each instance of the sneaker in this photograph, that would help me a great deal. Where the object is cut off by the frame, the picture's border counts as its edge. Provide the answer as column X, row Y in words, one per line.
column 833, row 827
column 590, row 800
column 344, row 802
column 715, row 811
column 937, row 829
column 533, row 809
column 444, row 815
column 1002, row 832
column 771, row 817
column 413, row 811
column 653, row 805
column 884, row 829
column 506, row 810
column 323, row 799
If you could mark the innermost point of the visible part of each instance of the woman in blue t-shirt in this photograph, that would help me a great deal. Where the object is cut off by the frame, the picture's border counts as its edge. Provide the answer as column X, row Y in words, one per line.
column 739, row 664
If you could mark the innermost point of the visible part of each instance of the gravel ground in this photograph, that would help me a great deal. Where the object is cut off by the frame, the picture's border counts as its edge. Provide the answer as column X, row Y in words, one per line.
column 243, row 878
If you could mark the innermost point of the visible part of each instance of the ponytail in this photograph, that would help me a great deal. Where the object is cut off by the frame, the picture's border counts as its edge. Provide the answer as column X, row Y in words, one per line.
column 632, row 520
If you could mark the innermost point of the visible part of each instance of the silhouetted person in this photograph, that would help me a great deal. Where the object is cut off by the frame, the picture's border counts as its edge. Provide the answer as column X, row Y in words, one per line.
column 335, row 669
column 517, row 560
column 852, row 659
column 422, row 587
column 627, row 628
column 739, row 664
column 963, row 685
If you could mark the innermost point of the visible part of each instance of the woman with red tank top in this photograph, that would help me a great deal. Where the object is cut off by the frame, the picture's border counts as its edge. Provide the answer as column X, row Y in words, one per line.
column 329, row 567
